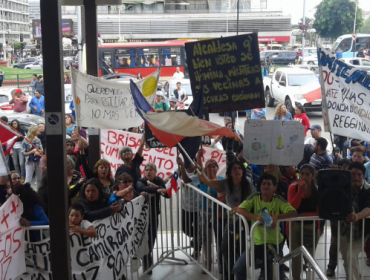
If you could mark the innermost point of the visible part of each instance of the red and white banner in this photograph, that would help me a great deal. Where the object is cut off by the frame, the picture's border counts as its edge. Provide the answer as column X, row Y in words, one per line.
column 113, row 140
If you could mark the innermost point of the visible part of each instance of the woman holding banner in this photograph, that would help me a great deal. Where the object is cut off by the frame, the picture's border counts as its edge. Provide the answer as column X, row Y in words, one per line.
column 155, row 186
column 94, row 201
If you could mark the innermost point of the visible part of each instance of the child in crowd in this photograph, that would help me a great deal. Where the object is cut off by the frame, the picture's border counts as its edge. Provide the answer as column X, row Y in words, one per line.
column 77, row 224
column 335, row 156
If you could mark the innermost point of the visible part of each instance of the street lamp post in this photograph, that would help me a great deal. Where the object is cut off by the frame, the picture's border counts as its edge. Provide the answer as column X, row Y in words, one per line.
column 3, row 18
column 354, row 27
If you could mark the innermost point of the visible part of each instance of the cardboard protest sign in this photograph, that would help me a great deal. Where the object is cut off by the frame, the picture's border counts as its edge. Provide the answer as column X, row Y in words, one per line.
column 113, row 140
column 225, row 73
column 273, row 142
column 120, row 237
column 165, row 158
column 345, row 91
column 103, row 103
column 11, row 239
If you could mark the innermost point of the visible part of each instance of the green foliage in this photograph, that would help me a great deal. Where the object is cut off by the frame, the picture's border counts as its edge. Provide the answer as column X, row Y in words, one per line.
column 17, row 45
column 366, row 27
column 334, row 18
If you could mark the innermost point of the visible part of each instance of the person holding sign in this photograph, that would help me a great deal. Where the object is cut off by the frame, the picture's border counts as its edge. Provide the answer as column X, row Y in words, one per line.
column 94, row 201
column 155, row 186
column 281, row 113
column 131, row 165
column 77, row 224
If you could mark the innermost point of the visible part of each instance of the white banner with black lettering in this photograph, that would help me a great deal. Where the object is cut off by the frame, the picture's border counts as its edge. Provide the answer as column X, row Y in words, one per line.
column 101, row 103
column 345, row 90
column 120, row 237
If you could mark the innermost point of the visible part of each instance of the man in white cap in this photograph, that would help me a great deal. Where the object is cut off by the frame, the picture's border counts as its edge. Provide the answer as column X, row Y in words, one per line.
column 160, row 105
column 316, row 133
column 173, row 102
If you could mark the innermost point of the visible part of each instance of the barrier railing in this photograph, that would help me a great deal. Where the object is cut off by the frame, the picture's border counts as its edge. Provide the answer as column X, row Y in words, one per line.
column 312, row 241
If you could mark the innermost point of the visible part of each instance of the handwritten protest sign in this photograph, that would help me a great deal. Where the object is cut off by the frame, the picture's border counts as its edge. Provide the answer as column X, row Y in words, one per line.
column 225, row 73
column 273, row 142
column 11, row 239
column 120, row 237
column 103, row 103
column 345, row 92
column 165, row 158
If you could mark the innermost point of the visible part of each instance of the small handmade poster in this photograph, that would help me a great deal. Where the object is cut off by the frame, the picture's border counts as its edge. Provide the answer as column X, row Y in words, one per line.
column 273, row 142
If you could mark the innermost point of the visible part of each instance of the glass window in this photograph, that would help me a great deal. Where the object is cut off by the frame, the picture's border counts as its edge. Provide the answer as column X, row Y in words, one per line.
column 282, row 55
column 354, row 62
column 283, row 78
column 363, row 42
column 263, row 4
column 366, row 62
column 148, row 57
column 122, row 58
column 171, row 56
column 277, row 76
column 345, row 44
column 298, row 80
column 107, row 58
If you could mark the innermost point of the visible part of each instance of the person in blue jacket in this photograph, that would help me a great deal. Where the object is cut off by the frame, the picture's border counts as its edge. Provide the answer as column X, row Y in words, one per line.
column 256, row 113
column 72, row 108
column 37, row 104
column 33, row 209
column 339, row 53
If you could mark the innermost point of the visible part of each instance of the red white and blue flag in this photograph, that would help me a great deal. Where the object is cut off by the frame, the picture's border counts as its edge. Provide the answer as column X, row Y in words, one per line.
column 8, row 145
column 173, row 184
column 170, row 127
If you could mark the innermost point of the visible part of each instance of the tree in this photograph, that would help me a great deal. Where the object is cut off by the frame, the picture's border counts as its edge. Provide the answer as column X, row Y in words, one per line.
column 334, row 18
column 366, row 27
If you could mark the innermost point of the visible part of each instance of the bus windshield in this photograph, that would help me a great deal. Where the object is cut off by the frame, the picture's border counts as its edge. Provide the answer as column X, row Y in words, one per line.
column 350, row 48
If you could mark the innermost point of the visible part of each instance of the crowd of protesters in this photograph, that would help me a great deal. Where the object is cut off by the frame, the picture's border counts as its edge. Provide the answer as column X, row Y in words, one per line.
column 284, row 191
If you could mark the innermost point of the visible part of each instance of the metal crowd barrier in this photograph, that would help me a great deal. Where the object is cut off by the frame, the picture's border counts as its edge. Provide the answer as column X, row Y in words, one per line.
column 326, row 244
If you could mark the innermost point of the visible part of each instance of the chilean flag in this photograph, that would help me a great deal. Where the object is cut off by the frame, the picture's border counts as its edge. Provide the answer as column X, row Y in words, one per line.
column 8, row 145
column 170, row 127
column 173, row 184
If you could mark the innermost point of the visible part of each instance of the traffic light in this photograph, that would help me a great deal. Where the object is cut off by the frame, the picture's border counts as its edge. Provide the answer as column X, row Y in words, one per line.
column 6, row 41
column 21, row 37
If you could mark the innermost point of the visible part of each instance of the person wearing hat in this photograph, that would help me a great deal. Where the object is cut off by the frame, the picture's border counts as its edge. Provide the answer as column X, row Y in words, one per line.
column 316, row 133
column 160, row 105
column 19, row 100
column 173, row 102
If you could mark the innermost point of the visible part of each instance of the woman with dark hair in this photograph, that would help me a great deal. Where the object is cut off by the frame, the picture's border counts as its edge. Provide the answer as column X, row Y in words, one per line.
column 237, row 188
column 139, row 76
column 304, row 197
column 70, row 123
column 300, row 115
column 361, row 53
column 155, row 186
column 123, row 190
column 94, row 201
column 102, row 172
column 33, row 212
column 16, row 152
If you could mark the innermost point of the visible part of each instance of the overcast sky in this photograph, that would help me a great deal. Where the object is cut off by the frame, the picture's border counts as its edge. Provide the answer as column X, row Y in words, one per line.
column 295, row 8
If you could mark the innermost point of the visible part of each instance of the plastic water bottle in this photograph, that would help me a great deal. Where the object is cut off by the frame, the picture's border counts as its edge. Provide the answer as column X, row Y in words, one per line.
column 267, row 220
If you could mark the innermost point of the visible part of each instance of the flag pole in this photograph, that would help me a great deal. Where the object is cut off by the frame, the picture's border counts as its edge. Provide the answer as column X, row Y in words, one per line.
column 186, row 154
column 7, row 169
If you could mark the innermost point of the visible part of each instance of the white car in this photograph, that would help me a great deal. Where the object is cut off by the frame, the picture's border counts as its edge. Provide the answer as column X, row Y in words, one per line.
column 6, row 94
column 358, row 62
column 34, row 66
column 289, row 85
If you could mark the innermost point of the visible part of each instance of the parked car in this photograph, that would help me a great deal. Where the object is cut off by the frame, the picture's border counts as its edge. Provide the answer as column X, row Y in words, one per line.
column 358, row 62
column 288, row 85
column 6, row 94
column 282, row 57
column 25, row 62
column 313, row 68
column 264, row 54
column 26, row 120
column 34, row 66
column 119, row 76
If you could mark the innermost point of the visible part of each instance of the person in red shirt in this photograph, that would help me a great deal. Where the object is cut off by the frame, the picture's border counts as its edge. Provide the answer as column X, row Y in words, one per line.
column 300, row 115
column 297, row 56
column 19, row 100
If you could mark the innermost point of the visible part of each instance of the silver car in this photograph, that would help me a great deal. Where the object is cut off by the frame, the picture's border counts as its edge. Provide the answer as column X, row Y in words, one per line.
column 358, row 62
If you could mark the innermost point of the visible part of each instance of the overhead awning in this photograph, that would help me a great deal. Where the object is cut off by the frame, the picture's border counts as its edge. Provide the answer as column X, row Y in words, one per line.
column 141, row 2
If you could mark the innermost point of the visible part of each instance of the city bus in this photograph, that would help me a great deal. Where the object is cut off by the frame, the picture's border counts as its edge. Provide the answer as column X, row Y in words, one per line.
column 346, row 44
column 143, row 57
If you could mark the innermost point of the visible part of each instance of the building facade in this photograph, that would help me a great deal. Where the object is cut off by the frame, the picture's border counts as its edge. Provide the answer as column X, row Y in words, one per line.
column 189, row 19
column 34, row 10
column 14, row 20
